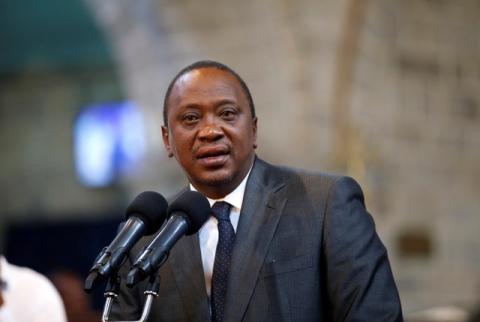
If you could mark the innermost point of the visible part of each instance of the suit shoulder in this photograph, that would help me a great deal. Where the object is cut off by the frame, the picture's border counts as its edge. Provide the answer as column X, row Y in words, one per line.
column 308, row 177
column 318, row 177
column 298, row 180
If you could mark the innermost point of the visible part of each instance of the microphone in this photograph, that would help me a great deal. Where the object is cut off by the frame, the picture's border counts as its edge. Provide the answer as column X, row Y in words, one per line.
column 187, row 214
column 144, row 216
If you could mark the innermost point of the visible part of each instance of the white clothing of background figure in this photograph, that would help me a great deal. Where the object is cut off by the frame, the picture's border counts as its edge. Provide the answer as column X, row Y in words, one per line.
column 28, row 296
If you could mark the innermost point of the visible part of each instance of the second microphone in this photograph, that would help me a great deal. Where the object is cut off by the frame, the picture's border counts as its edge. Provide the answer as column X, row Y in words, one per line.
column 186, row 214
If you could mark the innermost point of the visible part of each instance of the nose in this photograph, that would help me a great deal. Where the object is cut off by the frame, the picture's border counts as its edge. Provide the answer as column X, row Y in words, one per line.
column 210, row 132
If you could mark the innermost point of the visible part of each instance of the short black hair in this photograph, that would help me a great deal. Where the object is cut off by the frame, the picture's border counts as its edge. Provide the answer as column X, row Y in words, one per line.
column 206, row 64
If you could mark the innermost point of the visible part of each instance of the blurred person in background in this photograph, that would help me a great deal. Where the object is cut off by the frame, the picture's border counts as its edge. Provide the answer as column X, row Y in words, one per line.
column 28, row 296
column 70, row 287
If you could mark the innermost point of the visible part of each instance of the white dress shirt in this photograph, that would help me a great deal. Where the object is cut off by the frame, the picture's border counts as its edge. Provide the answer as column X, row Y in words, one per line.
column 208, row 233
column 28, row 296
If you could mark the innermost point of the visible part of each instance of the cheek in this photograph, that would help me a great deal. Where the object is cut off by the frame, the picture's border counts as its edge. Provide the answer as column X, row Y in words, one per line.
column 181, row 144
column 246, row 139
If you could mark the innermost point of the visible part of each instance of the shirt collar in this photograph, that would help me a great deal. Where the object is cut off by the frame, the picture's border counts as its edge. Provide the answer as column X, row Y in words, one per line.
column 235, row 198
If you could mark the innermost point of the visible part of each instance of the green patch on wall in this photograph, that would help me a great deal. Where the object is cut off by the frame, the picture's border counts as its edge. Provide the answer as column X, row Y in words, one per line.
column 49, row 34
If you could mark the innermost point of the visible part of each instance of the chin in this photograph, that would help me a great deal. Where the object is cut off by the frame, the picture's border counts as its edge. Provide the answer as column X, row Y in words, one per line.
column 217, row 180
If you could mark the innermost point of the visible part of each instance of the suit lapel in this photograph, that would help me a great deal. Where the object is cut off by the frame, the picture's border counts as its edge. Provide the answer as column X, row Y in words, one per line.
column 187, row 268
column 261, row 209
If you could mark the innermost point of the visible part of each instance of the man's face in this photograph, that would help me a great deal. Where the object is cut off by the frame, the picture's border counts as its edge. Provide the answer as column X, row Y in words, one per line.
column 211, row 131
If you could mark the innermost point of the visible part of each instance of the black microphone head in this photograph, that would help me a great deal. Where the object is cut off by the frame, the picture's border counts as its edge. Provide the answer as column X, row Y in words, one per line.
column 195, row 206
column 151, row 208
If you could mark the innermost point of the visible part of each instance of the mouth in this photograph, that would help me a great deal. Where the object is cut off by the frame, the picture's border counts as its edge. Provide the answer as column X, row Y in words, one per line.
column 213, row 157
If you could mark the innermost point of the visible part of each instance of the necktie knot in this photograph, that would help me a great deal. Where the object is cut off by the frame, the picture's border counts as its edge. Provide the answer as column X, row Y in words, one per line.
column 221, row 210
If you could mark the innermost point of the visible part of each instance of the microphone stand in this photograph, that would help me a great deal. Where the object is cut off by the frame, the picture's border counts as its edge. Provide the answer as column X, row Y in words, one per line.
column 111, row 293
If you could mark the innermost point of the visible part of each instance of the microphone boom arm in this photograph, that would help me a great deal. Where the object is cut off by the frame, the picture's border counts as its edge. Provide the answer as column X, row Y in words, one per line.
column 111, row 295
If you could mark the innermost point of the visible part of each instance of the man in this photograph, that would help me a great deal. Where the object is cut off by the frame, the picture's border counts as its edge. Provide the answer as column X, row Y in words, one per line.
column 297, row 246
column 27, row 296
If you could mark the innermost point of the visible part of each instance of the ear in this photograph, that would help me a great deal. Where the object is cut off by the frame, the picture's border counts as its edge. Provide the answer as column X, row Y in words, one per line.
column 166, row 141
column 254, row 129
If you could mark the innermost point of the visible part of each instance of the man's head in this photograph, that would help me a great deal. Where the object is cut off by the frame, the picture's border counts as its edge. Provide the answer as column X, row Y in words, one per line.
column 206, row 64
column 210, row 126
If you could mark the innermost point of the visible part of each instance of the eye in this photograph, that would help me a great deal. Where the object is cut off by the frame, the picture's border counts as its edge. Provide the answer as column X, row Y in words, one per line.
column 190, row 118
column 229, row 114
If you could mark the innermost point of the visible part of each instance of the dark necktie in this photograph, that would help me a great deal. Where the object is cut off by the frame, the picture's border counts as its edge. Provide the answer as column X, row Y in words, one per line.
column 223, row 254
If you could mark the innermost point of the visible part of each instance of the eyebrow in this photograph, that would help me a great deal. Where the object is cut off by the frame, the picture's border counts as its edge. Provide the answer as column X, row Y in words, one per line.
column 225, row 101
column 218, row 103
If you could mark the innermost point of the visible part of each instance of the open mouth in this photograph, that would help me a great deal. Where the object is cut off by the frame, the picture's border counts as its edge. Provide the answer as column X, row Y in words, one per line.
column 213, row 156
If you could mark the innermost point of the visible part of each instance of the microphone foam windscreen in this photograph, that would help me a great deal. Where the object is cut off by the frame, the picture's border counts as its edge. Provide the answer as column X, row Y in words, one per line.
column 151, row 208
column 195, row 206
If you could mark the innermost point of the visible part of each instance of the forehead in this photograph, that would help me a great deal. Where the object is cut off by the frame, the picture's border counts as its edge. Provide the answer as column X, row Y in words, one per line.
column 206, row 84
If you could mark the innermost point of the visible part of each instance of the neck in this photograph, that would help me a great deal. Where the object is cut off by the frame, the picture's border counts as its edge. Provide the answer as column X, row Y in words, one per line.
column 216, row 191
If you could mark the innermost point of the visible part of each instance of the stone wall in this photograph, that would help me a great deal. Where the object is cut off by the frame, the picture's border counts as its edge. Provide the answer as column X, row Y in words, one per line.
column 416, row 109
column 385, row 91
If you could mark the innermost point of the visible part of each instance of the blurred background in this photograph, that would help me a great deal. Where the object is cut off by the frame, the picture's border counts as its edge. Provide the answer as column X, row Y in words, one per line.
column 387, row 91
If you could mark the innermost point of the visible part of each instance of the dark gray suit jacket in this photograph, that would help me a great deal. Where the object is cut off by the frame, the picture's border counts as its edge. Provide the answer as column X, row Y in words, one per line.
column 305, row 250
